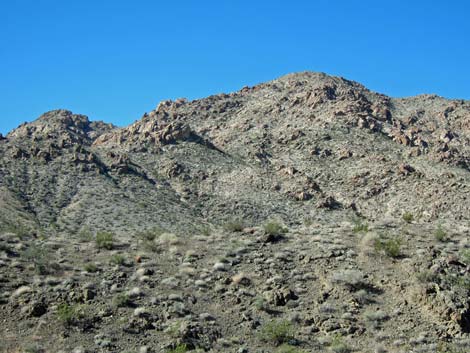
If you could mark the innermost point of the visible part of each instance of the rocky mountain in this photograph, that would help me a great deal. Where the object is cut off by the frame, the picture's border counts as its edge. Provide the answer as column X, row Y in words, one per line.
column 303, row 214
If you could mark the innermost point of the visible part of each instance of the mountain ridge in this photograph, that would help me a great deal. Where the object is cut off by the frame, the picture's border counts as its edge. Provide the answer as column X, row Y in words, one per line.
column 308, row 201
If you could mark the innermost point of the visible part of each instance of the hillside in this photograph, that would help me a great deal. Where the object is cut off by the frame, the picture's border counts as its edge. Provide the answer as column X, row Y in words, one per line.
column 307, row 205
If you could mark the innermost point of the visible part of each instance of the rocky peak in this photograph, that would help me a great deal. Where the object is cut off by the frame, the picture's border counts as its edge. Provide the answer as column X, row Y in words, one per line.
column 61, row 124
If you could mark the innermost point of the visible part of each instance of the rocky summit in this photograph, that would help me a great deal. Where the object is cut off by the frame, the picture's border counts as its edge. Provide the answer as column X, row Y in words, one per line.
column 305, row 214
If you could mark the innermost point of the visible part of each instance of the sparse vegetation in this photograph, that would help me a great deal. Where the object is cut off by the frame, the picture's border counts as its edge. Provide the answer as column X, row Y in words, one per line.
column 39, row 257
column 118, row 259
column 440, row 234
column 151, row 234
column 465, row 256
column 235, row 225
column 90, row 267
column 375, row 317
column 69, row 314
column 274, row 228
column 360, row 226
column 426, row 276
column 277, row 332
column 408, row 217
column 353, row 279
column 338, row 345
column 85, row 235
column 104, row 240
column 121, row 300
column 390, row 247
column 261, row 304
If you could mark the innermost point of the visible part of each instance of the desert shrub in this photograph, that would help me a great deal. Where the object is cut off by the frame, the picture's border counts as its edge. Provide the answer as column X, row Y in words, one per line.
column 274, row 228
column 118, row 259
column 39, row 257
column 261, row 304
column 121, row 300
column 440, row 234
column 465, row 256
column 277, row 332
column 375, row 317
column 338, row 345
column 309, row 221
column 90, row 267
column 104, row 240
column 360, row 226
column 33, row 349
column 69, row 314
column 390, row 247
column 85, row 235
column 353, row 279
column 235, row 225
column 20, row 230
column 426, row 276
column 408, row 217
column 151, row 234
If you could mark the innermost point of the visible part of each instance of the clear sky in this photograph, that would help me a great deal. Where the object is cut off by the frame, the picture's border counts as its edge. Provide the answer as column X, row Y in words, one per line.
column 113, row 60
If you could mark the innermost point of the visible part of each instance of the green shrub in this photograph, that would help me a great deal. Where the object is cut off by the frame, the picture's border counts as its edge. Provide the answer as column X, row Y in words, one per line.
column 277, row 332
column 121, row 300
column 426, row 277
column 33, row 349
column 68, row 314
column 274, row 228
column 360, row 226
column 440, row 234
column 151, row 234
column 104, row 240
column 85, row 235
column 390, row 247
column 408, row 217
column 261, row 304
column 90, row 267
column 39, row 257
column 338, row 345
column 118, row 259
column 21, row 231
column 465, row 256
column 233, row 226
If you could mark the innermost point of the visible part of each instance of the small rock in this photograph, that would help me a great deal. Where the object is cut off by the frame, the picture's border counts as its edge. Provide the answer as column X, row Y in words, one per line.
column 20, row 291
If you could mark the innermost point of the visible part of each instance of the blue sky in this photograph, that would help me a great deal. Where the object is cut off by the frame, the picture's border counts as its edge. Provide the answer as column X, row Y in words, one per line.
column 113, row 60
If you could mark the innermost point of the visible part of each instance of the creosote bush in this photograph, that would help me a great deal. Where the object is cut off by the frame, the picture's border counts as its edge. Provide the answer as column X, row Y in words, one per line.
column 465, row 256
column 408, row 217
column 69, row 314
column 274, row 228
column 390, row 247
column 360, row 226
column 338, row 345
column 426, row 277
column 118, row 259
column 121, row 300
column 90, row 267
column 235, row 225
column 277, row 332
column 39, row 258
column 104, row 240
column 440, row 234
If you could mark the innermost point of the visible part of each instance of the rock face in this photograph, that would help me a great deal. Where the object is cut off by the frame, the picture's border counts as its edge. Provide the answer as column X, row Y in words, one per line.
column 351, row 175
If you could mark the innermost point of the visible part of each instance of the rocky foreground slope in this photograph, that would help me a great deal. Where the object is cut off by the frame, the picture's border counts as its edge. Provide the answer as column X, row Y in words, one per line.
column 305, row 214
